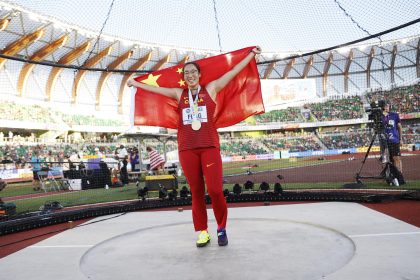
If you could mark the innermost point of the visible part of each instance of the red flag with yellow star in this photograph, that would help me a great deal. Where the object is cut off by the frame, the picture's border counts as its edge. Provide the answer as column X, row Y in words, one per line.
column 240, row 99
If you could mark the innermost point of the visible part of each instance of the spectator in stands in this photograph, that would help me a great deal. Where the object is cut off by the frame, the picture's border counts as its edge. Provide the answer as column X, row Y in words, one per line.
column 74, row 160
column 156, row 160
column 134, row 160
column 6, row 159
column 98, row 153
column 114, row 178
column 122, row 153
column 198, row 143
column 66, row 166
column 49, row 159
column 36, row 167
column 393, row 131
column 124, row 171
column 105, row 176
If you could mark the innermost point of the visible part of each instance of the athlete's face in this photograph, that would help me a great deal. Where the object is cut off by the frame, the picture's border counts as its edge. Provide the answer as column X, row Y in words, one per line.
column 386, row 108
column 191, row 76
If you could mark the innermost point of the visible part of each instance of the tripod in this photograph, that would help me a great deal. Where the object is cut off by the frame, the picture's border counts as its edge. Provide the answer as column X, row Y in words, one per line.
column 388, row 170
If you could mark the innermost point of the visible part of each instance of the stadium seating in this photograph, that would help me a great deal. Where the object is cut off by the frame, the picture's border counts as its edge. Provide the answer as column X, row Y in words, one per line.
column 276, row 116
column 403, row 99
column 340, row 109
column 43, row 115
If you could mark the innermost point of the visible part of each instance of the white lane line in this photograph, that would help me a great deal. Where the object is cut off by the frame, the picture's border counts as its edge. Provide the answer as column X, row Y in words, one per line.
column 61, row 246
column 385, row 234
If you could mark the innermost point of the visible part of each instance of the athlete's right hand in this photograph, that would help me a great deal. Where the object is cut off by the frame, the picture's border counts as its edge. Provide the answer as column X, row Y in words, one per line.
column 130, row 82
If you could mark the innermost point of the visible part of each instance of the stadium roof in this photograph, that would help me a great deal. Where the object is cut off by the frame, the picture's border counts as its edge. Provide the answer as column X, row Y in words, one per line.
column 149, row 35
column 277, row 25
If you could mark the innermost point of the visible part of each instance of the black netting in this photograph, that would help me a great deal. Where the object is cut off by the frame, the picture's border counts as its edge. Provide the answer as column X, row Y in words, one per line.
column 63, row 96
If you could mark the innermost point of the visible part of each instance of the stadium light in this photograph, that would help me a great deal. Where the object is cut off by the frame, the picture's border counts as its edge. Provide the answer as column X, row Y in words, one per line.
column 58, row 26
column 343, row 50
column 280, row 55
column 108, row 38
column 142, row 193
column 163, row 192
column 249, row 185
column 237, row 189
column 184, row 192
column 362, row 47
column 165, row 49
column 278, row 189
column 172, row 194
column 126, row 43
column 33, row 17
column 264, row 186
column 226, row 192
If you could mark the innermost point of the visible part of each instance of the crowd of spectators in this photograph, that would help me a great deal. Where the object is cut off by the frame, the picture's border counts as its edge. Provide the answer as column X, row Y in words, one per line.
column 340, row 109
column 43, row 115
column 55, row 154
column 354, row 138
column 403, row 99
column 291, row 141
column 18, row 148
column 90, row 120
column 241, row 147
column 279, row 116
column 17, row 112
column 20, row 152
column 411, row 134
column 347, row 140
column 265, row 144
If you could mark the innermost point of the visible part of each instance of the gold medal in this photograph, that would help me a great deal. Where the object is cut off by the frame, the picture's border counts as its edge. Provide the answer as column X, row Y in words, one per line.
column 196, row 125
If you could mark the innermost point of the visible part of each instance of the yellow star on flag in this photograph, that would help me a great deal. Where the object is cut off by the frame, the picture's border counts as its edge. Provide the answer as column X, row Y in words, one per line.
column 179, row 70
column 151, row 80
column 181, row 83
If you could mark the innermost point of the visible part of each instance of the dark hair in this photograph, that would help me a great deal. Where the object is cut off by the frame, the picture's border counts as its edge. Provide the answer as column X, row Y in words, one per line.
column 192, row 63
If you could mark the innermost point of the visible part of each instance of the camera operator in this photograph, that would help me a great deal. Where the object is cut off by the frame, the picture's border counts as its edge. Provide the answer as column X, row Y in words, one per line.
column 393, row 132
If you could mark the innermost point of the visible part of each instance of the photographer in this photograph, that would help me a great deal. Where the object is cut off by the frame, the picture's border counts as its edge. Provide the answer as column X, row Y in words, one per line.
column 393, row 132
column 3, row 185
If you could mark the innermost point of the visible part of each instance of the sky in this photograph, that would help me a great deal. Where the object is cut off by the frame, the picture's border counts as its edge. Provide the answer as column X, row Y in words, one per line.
column 277, row 26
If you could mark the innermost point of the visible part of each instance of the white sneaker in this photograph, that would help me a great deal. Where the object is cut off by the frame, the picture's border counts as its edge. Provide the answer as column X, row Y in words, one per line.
column 395, row 182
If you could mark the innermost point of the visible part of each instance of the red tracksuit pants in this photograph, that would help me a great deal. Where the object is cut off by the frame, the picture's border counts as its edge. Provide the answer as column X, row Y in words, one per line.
column 205, row 162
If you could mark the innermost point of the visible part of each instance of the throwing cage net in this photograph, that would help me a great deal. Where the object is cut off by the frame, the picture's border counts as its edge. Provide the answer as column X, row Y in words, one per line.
column 63, row 74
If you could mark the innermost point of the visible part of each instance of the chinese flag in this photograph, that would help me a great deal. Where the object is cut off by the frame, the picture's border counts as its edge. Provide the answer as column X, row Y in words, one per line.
column 240, row 99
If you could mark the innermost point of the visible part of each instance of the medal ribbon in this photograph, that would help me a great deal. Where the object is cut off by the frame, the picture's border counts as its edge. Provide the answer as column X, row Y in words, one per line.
column 193, row 103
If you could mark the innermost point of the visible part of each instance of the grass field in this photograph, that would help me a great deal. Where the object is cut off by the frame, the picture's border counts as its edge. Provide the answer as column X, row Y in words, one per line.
column 29, row 200
column 240, row 167
column 129, row 192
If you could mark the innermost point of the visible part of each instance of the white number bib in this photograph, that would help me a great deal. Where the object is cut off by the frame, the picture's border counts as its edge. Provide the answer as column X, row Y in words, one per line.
column 187, row 116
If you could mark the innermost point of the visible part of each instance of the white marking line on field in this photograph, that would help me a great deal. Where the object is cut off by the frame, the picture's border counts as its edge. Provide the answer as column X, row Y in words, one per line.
column 385, row 234
column 61, row 246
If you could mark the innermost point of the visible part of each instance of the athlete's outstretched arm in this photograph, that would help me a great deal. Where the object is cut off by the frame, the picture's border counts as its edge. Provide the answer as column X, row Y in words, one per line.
column 174, row 93
column 215, row 86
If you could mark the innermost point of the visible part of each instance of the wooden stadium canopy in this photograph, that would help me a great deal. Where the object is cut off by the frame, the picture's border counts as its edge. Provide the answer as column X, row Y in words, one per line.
column 36, row 42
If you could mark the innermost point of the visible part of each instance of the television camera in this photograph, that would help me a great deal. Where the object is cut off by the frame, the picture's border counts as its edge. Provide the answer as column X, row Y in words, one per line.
column 375, row 113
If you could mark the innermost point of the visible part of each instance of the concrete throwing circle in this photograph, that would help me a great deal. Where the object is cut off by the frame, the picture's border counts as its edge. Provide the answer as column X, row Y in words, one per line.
column 258, row 249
